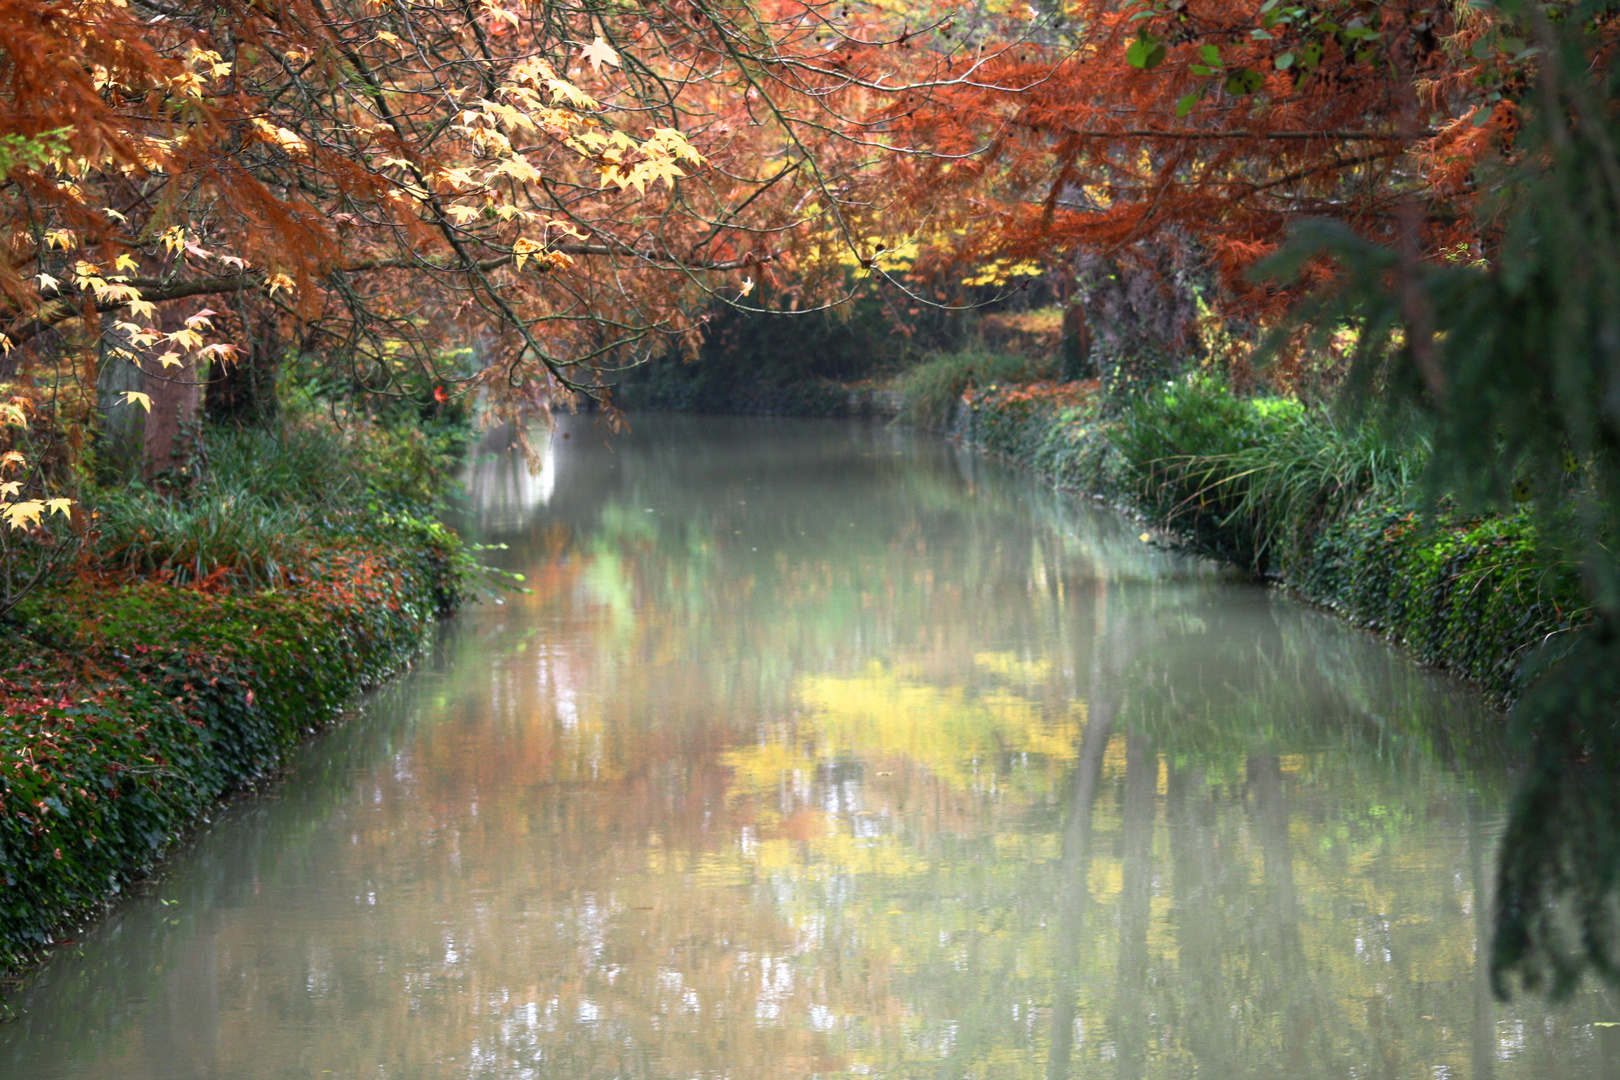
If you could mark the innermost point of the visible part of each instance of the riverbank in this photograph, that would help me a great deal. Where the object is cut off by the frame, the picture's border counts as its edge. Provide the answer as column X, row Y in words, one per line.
column 1283, row 493
column 1326, row 510
column 198, row 640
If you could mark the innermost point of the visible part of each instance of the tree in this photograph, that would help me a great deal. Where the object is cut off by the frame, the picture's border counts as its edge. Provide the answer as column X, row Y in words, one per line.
column 1510, row 367
column 1124, row 130
column 565, row 183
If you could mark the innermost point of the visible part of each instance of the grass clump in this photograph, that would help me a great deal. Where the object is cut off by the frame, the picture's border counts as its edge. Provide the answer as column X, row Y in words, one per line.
column 1248, row 480
column 210, row 537
column 268, row 497
column 930, row 391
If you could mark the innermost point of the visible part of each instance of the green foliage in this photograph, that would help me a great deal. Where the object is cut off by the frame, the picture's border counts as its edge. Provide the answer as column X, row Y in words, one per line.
column 194, row 693
column 268, row 495
column 1252, row 480
column 1276, row 488
column 216, row 535
column 1184, row 443
column 930, row 391
column 19, row 151
column 308, row 464
column 1510, row 367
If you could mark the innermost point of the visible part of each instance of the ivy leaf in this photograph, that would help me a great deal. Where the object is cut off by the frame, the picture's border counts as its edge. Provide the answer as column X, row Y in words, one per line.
column 1244, row 81
column 1185, row 105
column 1211, row 54
column 1284, row 62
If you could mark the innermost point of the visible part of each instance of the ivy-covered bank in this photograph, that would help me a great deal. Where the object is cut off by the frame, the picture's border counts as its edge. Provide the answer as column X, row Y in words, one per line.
column 1328, row 509
column 200, row 637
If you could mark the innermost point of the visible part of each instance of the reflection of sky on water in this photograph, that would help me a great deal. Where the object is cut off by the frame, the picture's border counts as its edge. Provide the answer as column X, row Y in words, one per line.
column 509, row 487
column 820, row 750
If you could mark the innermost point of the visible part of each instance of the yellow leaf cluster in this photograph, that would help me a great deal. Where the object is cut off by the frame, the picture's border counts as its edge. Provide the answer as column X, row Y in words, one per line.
column 15, row 511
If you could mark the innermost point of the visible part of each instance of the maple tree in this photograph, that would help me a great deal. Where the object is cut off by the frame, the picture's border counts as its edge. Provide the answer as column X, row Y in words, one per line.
column 560, row 185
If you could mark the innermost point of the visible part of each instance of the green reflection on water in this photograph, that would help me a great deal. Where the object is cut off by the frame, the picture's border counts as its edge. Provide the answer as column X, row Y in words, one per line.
column 822, row 751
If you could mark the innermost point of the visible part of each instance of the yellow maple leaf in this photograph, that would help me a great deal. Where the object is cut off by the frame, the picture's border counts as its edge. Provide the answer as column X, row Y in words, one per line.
column 662, row 169
column 672, row 142
column 518, row 168
column 599, row 52
column 10, row 489
column 522, row 248
column 135, row 397
column 12, row 459
column 22, row 515
column 563, row 90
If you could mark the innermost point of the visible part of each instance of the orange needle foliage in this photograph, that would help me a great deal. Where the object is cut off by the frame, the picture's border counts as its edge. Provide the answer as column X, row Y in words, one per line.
column 1110, row 126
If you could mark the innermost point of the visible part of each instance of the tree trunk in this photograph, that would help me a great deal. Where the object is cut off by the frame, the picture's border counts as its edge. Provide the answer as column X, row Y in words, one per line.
column 1076, row 345
column 243, row 391
column 170, row 447
column 120, row 425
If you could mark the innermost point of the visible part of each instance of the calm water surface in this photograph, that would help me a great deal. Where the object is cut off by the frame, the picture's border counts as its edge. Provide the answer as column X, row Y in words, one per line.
column 823, row 750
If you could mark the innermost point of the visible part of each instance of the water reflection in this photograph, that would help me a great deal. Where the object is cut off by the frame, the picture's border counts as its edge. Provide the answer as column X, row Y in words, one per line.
column 820, row 751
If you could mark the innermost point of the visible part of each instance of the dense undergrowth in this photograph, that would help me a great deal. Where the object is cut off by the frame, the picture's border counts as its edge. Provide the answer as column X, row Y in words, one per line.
column 199, row 637
column 1294, row 494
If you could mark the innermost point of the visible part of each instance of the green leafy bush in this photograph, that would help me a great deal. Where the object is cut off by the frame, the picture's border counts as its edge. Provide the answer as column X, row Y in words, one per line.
column 193, row 694
column 1328, row 506
column 930, row 391
column 213, row 535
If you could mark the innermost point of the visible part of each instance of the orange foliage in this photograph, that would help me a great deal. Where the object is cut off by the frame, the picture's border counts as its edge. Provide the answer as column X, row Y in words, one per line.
column 563, row 184
column 1117, row 124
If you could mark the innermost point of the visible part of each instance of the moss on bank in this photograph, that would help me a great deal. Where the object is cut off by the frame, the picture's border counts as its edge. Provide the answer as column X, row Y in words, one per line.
column 1282, row 492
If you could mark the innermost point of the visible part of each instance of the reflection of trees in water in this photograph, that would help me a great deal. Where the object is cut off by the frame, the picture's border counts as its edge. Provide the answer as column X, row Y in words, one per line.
column 956, row 792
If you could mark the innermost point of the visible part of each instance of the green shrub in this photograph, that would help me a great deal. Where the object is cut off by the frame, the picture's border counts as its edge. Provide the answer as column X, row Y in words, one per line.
column 215, row 535
column 191, row 694
column 307, row 463
column 1181, row 441
column 929, row 391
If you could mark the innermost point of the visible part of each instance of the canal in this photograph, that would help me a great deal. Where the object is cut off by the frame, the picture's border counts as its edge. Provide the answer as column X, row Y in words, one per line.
column 822, row 749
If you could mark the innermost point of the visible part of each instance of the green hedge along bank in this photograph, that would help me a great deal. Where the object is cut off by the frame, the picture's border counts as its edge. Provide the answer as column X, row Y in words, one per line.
column 202, row 636
column 1292, row 495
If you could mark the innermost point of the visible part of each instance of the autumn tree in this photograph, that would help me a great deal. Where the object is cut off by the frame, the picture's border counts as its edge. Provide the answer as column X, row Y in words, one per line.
column 562, row 184
column 1173, row 136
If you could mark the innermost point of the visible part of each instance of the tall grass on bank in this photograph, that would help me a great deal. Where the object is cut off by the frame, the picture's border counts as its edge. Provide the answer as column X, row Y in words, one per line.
column 214, row 535
column 1248, row 480
column 931, row 390
column 265, row 493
